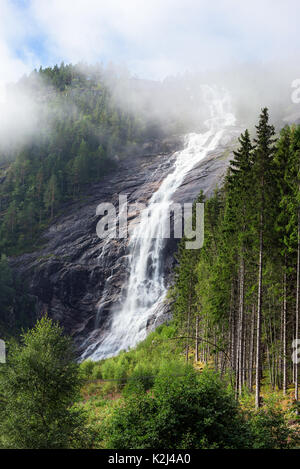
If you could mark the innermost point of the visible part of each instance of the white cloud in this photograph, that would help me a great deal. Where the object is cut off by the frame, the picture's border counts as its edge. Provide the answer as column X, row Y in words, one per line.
column 13, row 30
column 156, row 37
column 180, row 33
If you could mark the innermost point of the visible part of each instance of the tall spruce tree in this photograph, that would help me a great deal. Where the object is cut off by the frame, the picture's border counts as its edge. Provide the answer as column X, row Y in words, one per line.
column 184, row 293
column 240, row 196
column 284, row 181
column 295, row 208
column 262, row 170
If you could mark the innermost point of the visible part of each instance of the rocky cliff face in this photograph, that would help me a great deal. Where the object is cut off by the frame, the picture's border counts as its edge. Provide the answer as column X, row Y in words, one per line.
column 76, row 271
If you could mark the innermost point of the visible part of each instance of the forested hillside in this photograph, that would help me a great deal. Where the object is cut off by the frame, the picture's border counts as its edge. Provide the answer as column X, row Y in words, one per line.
column 80, row 134
column 237, row 299
column 82, row 131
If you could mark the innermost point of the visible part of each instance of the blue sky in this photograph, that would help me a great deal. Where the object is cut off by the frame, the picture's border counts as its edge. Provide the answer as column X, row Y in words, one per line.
column 153, row 38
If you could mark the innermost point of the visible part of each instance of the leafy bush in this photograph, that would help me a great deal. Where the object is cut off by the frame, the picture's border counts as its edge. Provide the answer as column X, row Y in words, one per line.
column 86, row 369
column 142, row 376
column 38, row 386
column 270, row 430
column 139, row 364
column 187, row 411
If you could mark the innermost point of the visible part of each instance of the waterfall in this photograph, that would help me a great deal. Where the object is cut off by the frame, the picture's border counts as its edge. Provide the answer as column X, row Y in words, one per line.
column 145, row 290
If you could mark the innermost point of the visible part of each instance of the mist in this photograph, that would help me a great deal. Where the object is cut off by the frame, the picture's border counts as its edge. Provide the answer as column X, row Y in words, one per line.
column 163, row 52
column 178, row 100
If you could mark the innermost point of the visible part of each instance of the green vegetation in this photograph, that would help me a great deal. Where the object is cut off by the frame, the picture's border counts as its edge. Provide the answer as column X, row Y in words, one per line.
column 176, row 407
column 187, row 411
column 141, row 364
column 15, row 304
column 237, row 299
column 82, row 133
column 38, row 385
column 7, row 291
column 220, row 375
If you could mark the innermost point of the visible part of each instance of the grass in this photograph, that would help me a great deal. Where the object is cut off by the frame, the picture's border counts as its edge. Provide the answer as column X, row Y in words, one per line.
column 108, row 382
column 140, row 364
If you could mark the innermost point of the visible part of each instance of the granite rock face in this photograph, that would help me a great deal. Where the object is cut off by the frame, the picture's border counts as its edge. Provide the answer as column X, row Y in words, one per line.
column 76, row 271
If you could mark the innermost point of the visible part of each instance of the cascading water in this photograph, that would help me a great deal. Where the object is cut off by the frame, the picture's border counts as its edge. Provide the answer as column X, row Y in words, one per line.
column 146, row 290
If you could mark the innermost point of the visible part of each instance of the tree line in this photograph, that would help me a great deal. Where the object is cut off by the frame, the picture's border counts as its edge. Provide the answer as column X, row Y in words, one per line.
column 237, row 299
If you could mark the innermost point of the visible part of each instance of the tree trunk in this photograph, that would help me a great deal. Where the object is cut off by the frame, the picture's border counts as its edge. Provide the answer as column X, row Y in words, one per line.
column 284, row 383
column 259, row 316
column 188, row 332
column 241, row 323
column 297, row 307
column 197, row 340
column 251, row 351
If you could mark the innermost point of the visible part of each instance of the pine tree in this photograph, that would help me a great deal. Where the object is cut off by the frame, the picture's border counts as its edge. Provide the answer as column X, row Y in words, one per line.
column 262, row 168
column 238, row 214
column 184, row 293
column 52, row 195
column 282, row 176
column 295, row 207
column 6, row 288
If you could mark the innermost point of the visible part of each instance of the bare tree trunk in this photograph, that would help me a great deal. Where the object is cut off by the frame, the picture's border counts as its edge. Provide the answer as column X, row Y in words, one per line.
column 237, row 356
column 268, row 333
column 232, row 329
column 297, row 307
column 241, row 323
column 251, row 351
column 284, row 382
column 215, row 352
column 197, row 340
column 187, row 340
column 188, row 326
column 259, row 317
column 244, row 372
column 280, row 363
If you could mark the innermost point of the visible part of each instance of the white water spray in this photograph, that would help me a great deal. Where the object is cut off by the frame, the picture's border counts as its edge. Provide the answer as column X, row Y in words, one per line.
column 145, row 290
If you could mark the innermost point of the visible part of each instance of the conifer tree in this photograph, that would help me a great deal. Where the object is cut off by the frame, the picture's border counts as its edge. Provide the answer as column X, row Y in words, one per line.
column 240, row 196
column 283, row 178
column 262, row 170
column 295, row 207
column 51, row 196
column 184, row 293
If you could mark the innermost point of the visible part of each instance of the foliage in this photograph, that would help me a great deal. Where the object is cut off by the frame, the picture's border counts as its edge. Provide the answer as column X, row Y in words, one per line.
column 271, row 430
column 140, row 364
column 186, row 411
column 38, row 386
column 82, row 133
column 16, row 306
column 248, row 262
column 6, row 288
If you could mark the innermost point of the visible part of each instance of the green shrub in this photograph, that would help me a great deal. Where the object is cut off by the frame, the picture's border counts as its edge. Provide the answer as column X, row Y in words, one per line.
column 97, row 372
column 270, row 429
column 38, row 386
column 188, row 411
column 86, row 369
column 142, row 376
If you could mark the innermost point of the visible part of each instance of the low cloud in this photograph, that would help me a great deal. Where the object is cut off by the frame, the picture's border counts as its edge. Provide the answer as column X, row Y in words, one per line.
column 252, row 49
column 155, row 39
